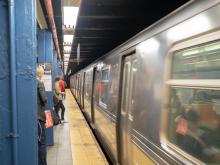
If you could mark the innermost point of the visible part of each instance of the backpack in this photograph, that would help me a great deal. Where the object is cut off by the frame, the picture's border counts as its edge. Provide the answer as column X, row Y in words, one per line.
column 56, row 119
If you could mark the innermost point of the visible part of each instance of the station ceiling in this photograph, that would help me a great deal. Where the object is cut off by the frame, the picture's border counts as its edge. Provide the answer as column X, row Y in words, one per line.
column 104, row 24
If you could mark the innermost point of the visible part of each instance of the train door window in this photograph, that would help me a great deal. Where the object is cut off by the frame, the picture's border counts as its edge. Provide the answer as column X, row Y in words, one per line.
column 88, row 80
column 193, row 123
column 78, row 85
column 125, row 85
column 104, row 87
column 71, row 83
column 133, row 85
column 97, row 88
column 87, row 85
column 80, row 90
column 83, row 88
column 80, row 81
column 75, row 85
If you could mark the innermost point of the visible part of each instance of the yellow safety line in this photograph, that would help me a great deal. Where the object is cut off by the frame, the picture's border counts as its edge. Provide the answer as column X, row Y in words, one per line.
column 85, row 149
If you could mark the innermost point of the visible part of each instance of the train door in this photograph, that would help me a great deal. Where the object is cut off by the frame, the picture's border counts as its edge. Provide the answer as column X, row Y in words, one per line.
column 75, row 86
column 126, row 117
column 83, row 89
column 79, row 96
column 94, row 77
column 80, row 89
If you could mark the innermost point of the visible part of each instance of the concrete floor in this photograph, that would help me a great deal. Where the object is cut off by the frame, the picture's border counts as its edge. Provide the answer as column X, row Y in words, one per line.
column 60, row 152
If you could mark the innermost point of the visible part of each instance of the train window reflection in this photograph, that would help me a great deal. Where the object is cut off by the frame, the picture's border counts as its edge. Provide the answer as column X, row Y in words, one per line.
column 201, row 62
column 194, row 122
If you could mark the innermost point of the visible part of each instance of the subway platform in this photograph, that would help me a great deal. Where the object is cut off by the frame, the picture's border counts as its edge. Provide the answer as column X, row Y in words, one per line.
column 74, row 142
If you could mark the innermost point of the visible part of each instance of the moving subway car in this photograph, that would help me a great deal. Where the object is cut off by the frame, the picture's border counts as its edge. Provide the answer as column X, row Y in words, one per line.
column 156, row 98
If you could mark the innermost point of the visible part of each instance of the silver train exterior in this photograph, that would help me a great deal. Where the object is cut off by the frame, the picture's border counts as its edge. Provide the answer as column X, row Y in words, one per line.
column 144, row 98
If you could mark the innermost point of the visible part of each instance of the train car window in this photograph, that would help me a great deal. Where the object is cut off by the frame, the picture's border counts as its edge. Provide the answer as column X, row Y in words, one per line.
column 200, row 62
column 194, row 122
column 104, row 87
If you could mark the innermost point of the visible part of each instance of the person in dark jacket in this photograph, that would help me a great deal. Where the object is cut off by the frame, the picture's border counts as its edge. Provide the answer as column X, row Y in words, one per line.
column 41, row 101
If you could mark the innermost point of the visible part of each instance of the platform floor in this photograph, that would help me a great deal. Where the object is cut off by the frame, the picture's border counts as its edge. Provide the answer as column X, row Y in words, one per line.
column 74, row 142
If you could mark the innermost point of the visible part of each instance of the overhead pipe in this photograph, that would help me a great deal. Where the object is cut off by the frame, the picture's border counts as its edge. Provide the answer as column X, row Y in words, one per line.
column 50, row 14
column 14, row 132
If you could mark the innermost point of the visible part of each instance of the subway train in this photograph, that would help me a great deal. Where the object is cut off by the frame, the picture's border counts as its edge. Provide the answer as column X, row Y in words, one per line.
column 155, row 99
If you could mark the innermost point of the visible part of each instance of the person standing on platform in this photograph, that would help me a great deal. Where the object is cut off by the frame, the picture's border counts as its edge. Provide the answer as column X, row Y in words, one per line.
column 62, row 87
column 41, row 102
column 58, row 103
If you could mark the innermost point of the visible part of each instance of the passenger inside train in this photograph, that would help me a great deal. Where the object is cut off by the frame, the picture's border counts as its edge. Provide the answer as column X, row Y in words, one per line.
column 197, row 122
